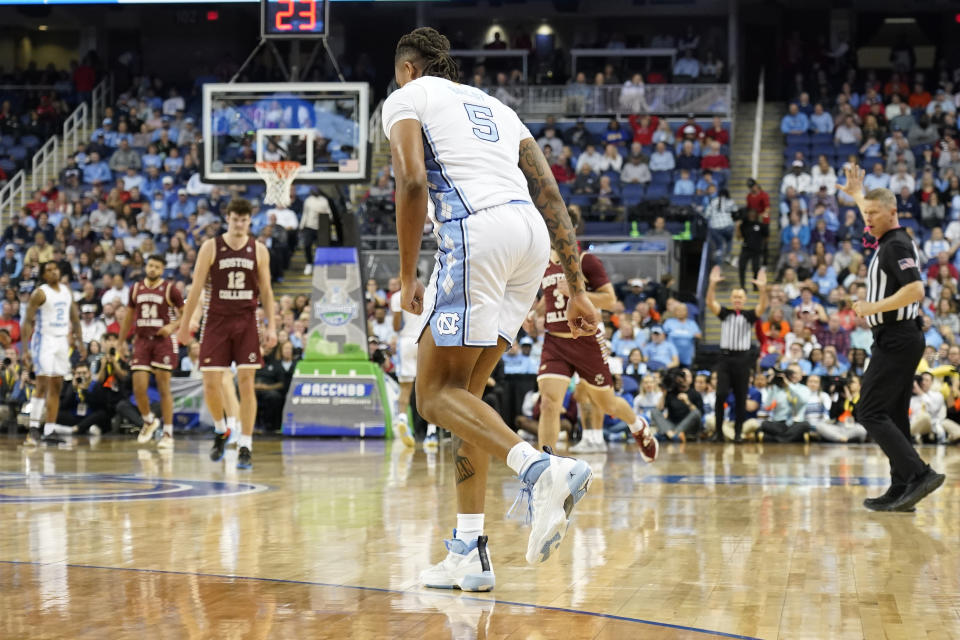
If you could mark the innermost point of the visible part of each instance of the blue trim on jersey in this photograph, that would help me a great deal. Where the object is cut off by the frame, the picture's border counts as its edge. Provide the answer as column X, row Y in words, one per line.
column 437, row 175
column 520, row 202
column 36, row 338
column 448, row 320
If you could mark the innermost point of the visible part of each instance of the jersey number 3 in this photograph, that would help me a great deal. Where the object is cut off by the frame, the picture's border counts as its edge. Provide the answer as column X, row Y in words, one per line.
column 483, row 118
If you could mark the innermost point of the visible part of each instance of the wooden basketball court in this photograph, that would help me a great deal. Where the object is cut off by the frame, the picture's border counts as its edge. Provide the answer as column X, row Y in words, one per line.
column 325, row 539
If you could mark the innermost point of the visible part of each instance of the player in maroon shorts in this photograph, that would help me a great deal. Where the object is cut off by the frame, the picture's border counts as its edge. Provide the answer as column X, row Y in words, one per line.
column 153, row 310
column 563, row 355
column 235, row 270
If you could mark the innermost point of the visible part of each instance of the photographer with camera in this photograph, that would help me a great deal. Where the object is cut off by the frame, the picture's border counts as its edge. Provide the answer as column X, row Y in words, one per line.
column 737, row 356
column 683, row 405
column 842, row 427
column 789, row 406
column 75, row 410
column 112, row 386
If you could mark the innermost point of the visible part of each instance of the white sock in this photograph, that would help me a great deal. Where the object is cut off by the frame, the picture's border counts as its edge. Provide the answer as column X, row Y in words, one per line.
column 469, row 526
column 521, row 456
column 598, row 436
column 37, row 412
column 168, row 429
column 245, row 441
column 149, row 418
column 49, row 428
column 233, row 423
column 220, row 426
column 431, row 429
column 637, row 425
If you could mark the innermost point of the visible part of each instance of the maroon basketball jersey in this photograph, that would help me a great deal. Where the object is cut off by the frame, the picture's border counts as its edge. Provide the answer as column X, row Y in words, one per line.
column 154, row 307
column 594, row 275
column 232, row 285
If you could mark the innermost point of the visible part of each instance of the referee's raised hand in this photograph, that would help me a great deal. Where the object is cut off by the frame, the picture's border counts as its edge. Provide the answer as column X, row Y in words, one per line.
column 761, row 280
column 854, row 185
column 716, row 274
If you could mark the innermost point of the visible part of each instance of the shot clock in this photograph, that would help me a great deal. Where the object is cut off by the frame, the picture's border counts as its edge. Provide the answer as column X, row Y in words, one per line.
column 293, row 18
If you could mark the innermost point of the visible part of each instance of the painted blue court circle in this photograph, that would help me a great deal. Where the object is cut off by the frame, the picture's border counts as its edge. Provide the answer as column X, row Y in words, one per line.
column 18, row 488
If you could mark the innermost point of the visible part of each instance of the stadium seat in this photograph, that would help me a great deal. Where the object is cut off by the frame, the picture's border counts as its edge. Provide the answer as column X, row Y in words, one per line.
column 18, row 153
column 844, row 150
column 565, row 191
column 661, row 177
column 605, row 228
column 801, row 139
column 681, row 201
column 582, row 200
column 632, row 193
column 821, row 139
column 655, row 191
column 30, row 142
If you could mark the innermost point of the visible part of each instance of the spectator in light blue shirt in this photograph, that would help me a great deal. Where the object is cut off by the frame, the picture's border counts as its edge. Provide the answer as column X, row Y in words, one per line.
column 659, row 349
column 930, row 332
column 182, row 207
column 151, row 158
column 794, row 122
column 684, row 185
column 661, row 159
column 682, row 332
column 825, row 278
column 821, row 121
column 876, row 179
column 96, row 170
column 518, row 359
column 687, row 66
column 625, row 338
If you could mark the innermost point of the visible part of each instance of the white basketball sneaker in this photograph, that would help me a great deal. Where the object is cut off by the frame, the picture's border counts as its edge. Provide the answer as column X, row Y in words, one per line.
column 403, row 431
column 147, row 430
column 166, row 442
column 467, row 567
column 561, row 484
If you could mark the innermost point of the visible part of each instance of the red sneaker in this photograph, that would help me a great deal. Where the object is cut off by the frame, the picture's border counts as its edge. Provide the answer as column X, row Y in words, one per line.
column 646, row 442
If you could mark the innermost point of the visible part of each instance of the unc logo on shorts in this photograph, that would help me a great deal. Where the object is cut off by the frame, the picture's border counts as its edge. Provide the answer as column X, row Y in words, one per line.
column 447, row 324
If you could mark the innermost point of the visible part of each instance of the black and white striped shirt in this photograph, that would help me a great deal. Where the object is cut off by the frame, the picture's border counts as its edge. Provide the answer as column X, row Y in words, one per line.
column 895, row 265
column 736, row 328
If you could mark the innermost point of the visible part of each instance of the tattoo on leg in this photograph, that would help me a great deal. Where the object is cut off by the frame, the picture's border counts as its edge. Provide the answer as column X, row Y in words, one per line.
column 464, row 467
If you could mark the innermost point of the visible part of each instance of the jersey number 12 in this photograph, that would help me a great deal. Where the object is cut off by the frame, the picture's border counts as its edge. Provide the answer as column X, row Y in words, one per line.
column 236, row 280
column 486, row 129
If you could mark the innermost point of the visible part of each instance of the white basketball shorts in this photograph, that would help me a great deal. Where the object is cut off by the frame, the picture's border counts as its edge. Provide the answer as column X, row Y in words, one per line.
column 407, row 355
column 487, row 273
column 51, row 356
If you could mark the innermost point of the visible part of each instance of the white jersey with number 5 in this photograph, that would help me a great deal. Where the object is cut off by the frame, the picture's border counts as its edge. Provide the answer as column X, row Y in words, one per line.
column 471, row 145
column 49, row 345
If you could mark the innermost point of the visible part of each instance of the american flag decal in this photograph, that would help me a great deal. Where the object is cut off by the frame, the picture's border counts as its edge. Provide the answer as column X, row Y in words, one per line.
column 907, row 263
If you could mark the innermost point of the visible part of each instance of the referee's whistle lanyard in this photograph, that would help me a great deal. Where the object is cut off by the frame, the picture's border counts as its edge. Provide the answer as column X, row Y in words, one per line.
column 872, row 244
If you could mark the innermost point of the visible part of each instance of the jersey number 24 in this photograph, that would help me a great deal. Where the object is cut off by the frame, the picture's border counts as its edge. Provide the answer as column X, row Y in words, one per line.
column 482, row 117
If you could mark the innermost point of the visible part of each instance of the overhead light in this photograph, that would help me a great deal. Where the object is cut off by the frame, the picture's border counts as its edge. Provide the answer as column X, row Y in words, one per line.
column 42, row 27
column 900, row 21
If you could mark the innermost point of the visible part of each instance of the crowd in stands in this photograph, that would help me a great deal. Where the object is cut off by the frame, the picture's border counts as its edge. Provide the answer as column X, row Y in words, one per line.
column 33, row 105
column 608, row 171
column 132, row 191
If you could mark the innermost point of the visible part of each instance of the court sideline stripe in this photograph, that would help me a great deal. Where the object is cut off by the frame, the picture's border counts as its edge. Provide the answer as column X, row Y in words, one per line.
column 608, row 616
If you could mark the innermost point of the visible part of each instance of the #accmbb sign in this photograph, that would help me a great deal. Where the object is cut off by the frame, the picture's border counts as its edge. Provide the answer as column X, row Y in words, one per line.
column 334, row 405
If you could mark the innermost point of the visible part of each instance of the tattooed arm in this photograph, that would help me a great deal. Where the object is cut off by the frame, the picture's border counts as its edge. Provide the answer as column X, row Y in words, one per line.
column 582, row 316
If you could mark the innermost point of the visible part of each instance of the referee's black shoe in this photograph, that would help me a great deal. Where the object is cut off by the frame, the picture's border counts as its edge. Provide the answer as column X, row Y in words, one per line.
column 916, row 491
column 892, row 494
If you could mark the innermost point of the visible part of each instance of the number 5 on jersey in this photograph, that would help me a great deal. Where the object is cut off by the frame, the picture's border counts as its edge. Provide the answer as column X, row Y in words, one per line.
column 486, row 129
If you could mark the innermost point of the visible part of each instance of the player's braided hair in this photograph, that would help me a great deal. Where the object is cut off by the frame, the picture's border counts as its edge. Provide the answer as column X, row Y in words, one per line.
column 432, row 49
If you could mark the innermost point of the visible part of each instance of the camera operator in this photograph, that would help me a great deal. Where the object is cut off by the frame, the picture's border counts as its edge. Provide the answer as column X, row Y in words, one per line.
column 75, row 410
column 786, row 423
column 112, row 386
column 9, row 372
column 684, row 407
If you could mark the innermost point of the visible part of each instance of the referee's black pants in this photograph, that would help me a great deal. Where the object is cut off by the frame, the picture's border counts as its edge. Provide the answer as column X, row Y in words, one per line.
column 733, row 370
column 884, row 404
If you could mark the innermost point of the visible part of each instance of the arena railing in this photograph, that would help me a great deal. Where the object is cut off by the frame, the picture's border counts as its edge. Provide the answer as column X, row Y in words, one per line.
column 585, row 100
column 665, row 52
column 523, row 54
column 48, row 160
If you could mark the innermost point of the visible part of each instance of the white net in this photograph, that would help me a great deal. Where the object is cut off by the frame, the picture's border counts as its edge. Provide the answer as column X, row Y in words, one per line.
column 278, row 177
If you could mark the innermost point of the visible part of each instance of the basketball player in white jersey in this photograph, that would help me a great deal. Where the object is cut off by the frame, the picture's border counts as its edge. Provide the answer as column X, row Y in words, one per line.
column 467, row 160
column 51, row 321
column 406, row 325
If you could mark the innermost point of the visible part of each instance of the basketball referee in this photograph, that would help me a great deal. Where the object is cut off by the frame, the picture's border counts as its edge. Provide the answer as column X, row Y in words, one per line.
column 894, row 293
column 737, row 358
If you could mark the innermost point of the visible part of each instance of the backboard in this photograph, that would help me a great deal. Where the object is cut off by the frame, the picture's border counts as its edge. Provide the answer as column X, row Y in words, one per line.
column 324, row 126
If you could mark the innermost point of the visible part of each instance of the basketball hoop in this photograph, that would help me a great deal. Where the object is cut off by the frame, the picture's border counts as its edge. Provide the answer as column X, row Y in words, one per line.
column 278, row 176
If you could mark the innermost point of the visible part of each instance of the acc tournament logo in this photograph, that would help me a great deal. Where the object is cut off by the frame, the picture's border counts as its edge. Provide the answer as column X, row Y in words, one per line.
column 335, row 308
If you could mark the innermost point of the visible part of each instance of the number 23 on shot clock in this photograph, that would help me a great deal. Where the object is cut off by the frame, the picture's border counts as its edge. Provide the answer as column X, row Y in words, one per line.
column 293, row 18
